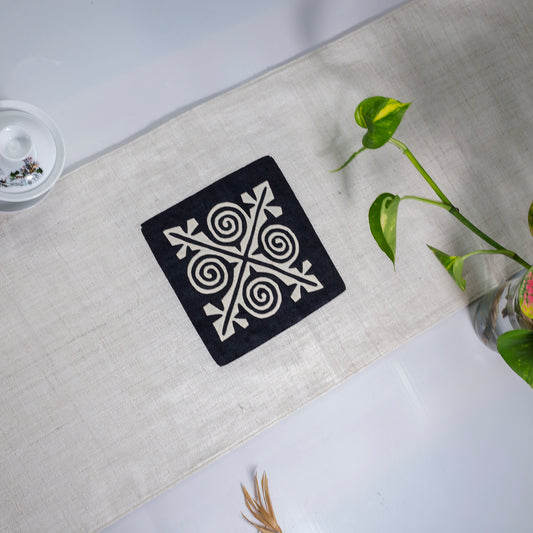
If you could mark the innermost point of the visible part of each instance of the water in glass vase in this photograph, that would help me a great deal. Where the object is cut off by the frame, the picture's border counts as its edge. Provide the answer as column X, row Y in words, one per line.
column 499, row 311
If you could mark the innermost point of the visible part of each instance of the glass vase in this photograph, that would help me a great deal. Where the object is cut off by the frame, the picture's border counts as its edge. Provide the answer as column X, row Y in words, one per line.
column 499, row 311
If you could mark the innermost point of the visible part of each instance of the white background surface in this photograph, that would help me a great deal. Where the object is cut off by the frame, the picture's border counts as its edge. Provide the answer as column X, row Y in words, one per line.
column 107, row 69
column 434, row 437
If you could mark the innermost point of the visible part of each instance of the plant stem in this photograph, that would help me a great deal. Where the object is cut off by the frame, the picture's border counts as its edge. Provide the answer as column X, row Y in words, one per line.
column 454, row 211
column 350, row 159
column 428, row 201
column 508, row 253
column 420, row 169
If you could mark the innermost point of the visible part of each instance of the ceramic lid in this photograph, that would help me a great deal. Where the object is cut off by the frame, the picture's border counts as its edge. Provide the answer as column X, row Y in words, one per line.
column 32, row 153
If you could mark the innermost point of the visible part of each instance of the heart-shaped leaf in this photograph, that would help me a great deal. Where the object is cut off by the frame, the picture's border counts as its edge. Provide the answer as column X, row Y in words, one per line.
column 380, row 116
column 530, row 218
column 525, row 295
column 516, row 347
column 453, row 264
column 382, row 218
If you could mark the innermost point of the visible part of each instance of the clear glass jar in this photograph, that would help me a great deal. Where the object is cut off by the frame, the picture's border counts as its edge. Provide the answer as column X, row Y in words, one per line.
column 499, row 311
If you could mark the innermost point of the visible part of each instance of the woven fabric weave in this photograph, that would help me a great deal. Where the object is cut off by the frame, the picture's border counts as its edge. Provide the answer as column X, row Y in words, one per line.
column 108, row 395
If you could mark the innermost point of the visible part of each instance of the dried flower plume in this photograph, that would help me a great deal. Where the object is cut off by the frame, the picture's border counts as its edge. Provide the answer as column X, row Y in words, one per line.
column 261, row 507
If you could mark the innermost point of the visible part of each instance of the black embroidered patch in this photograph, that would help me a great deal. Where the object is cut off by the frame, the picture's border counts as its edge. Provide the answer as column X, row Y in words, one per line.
column 243, row 259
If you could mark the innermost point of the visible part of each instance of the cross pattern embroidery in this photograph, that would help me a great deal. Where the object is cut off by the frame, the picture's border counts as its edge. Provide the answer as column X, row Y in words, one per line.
column 243, row 260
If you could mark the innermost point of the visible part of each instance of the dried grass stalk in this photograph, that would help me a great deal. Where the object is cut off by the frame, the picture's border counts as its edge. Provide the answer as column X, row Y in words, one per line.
column 261, row 507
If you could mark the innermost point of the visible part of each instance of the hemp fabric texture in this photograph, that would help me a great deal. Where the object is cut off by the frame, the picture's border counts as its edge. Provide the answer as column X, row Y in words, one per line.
column 107, row 393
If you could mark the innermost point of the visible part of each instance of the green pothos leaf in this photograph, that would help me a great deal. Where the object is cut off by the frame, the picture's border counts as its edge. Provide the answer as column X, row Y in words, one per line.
column 530, row 218
column 382, row 218
column 516, row 347
column 453, row 264
column 380, row 116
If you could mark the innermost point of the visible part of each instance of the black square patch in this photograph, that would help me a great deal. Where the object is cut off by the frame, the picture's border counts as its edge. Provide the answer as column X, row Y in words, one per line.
column 243, row 259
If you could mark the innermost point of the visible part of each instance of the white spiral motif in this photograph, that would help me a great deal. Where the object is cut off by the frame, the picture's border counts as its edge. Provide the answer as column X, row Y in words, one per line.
column 227, row 222
column 279, row 243
column 208, row 274
column 261, row 297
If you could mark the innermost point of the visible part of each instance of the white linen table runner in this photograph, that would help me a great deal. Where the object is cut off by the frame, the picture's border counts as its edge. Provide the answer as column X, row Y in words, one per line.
column 108, row 395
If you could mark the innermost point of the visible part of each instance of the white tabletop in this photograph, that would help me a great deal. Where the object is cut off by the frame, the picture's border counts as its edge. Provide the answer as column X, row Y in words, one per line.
column 106, row 70
column 436, row 436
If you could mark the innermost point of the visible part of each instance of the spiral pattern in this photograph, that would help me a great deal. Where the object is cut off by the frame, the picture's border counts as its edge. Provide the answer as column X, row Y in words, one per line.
column 208, row 274
column 279, row 243
column 227, row 223
column 261, row 296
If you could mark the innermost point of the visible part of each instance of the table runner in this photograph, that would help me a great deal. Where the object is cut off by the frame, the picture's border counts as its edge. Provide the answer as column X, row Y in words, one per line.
column 108, row 395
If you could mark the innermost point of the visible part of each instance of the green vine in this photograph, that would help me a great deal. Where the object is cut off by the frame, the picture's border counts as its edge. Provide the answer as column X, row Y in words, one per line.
column 381, row 117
